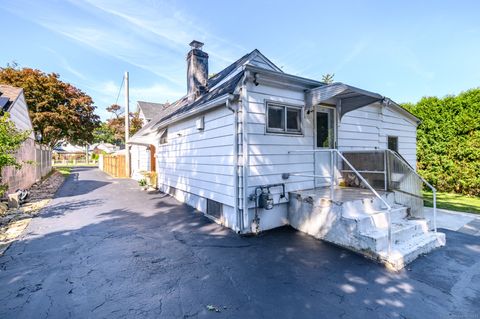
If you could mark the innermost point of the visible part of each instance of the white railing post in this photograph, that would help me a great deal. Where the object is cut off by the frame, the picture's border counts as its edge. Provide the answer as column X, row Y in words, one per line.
column 332, row 180
column 435, row 210
column 385, row 181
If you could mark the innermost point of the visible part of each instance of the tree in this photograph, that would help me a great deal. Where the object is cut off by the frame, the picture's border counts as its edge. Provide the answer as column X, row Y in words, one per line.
column 58, row 110
column 328, row 78
column 113, row 130
column 104, row 133
column 448, row 141
column 10, row 141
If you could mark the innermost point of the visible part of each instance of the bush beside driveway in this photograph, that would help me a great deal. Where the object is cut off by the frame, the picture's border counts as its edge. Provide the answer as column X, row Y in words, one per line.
column 103, row 248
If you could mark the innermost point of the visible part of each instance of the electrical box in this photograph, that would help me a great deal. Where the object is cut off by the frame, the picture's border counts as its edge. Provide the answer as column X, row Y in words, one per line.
column 265, row 200
column 200, row 123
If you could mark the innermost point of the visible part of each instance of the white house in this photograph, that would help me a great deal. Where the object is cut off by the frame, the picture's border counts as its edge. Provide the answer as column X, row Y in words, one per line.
column 36, row 159
column 142, row 150
column 254, row 148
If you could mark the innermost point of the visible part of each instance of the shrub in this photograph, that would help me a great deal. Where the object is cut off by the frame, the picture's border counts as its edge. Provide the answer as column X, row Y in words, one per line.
column 448, row 141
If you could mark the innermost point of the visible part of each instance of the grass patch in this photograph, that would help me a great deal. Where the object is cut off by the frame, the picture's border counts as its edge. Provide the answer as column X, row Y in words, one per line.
column 456, row 202
column 65, row 171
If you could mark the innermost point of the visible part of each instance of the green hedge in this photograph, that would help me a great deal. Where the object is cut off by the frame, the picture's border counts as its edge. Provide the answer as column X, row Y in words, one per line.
column 448, row 141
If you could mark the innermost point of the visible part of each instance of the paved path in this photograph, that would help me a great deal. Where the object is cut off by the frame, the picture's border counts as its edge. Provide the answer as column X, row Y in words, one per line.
column 104, row 249
column 463, row 222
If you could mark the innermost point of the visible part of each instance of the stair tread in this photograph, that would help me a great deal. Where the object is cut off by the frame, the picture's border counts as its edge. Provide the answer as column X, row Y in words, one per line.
column 363, row 214
column 411, row 245
column 404, row 225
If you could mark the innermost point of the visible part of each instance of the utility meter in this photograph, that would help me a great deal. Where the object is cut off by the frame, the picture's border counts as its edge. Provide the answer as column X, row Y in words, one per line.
column 265, row 200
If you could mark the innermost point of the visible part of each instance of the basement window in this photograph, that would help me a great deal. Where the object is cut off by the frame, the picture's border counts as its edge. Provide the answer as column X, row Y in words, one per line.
column 284, row 119
column 214, row 208
column 393, row 143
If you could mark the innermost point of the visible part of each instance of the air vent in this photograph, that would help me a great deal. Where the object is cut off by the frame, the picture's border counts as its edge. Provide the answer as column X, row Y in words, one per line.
column 214, row 209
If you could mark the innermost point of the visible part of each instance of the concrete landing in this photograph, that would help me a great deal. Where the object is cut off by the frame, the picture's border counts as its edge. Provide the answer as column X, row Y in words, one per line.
column 358, row 220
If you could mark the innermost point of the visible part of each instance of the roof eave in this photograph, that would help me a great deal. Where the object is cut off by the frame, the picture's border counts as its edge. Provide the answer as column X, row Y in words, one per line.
column 282, row 78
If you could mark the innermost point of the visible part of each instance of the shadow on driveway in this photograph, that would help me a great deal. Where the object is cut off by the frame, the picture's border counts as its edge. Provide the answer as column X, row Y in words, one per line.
column 120, row 252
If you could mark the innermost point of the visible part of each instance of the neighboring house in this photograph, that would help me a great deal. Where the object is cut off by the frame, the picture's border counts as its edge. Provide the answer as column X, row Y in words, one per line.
column 142, row 152
column 100, row 148
column 148, row 110
column 35, row 159
column 255, row 148
column 65, row 151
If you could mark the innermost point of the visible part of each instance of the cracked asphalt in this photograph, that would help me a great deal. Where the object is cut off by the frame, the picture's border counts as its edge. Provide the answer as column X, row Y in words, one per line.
column 105, row 249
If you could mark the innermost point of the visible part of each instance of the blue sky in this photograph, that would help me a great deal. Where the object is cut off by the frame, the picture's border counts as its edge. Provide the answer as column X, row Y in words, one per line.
column 401, row 49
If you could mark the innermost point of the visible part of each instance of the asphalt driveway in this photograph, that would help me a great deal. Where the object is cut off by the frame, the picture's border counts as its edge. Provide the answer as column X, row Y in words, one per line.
column 105, row 249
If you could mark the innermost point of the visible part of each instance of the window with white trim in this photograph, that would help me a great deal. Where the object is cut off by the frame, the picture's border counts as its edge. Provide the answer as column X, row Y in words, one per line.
column 284, row 119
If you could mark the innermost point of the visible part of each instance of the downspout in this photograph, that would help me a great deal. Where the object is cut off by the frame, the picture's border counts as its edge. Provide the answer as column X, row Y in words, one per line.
column 231, row 107
column 245, row 155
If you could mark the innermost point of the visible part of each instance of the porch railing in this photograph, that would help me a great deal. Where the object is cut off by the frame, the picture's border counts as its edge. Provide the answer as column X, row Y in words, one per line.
column 377, row 169
column 335, row 157
column 389, row 170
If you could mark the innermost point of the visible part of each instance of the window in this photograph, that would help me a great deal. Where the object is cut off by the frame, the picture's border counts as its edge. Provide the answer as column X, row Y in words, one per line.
column 163, row 137
column 284, row 119
column 393, row 143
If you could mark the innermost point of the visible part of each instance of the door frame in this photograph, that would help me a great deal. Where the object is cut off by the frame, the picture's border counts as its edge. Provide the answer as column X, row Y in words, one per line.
column 319, row 157
column 335, row 124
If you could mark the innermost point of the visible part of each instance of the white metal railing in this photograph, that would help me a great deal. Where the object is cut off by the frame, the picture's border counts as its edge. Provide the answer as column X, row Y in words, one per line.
column 413, row 172
column 331, row 176
column 409, row 185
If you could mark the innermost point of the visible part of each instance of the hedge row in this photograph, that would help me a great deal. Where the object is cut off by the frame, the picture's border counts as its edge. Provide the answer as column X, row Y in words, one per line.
column 448, row 141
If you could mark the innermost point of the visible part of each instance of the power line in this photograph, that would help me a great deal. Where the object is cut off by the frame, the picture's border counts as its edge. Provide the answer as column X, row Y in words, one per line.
column 120, row 90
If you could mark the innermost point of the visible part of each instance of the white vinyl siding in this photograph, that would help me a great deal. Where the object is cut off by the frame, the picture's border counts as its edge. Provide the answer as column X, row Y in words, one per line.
column 19, row 115
column 268, row 153
column 200, row 162
column 368, row 128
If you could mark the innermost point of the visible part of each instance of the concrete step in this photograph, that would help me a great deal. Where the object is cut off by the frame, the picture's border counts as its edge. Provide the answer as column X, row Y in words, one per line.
column 402, row 231
column 368, row 204
column 405, row 252
column 375, row 220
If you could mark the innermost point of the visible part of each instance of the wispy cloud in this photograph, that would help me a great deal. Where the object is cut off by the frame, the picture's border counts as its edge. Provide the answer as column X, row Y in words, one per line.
column 167, row 24
column 66, row 64
column 352, row 55
column 145, row 34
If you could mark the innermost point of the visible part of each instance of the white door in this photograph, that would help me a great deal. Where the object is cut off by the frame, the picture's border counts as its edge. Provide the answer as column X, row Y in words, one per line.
column 324, row 139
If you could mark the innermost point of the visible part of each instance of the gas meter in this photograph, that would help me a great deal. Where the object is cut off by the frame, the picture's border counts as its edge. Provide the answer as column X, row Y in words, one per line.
column 265, row 199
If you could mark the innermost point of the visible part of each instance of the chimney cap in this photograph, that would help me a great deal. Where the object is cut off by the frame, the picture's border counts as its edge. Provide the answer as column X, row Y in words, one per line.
column 196, row 44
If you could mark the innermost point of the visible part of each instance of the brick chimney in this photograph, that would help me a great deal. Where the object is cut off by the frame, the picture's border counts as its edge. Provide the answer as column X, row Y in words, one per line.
column 197, row 70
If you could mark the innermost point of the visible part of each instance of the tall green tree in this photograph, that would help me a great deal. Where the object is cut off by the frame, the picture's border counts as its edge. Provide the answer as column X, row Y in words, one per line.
column 10, row 141
column 448, row 141
column 58, row 110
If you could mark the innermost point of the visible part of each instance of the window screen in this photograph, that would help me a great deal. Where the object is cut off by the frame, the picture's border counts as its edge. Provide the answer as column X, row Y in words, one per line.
column 393, row 143
column 284, row 119
column 276, row 118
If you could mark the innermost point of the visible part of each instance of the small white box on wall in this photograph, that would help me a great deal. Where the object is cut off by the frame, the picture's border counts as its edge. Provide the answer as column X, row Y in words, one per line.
column 200, row 123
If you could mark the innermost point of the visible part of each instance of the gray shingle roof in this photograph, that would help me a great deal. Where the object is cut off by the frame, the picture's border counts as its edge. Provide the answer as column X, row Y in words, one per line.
column 182, row 105
column 150, row 109
column 11, row 93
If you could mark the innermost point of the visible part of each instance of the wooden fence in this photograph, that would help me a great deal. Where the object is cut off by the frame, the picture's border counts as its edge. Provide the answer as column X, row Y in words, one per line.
column 36, row 162
column 113, row 165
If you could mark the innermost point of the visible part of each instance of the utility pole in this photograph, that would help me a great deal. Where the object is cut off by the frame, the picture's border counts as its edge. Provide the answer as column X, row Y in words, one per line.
column 127, row 127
